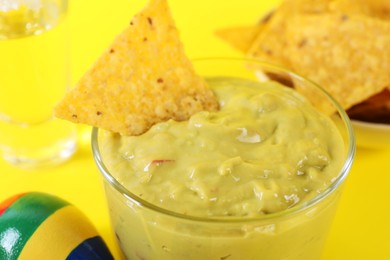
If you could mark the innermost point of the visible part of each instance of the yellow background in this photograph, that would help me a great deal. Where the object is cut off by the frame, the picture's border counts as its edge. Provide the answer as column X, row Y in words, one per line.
column 361, row 229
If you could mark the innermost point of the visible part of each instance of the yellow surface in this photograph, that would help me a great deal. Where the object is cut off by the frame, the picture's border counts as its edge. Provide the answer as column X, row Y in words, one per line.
column 361, row 228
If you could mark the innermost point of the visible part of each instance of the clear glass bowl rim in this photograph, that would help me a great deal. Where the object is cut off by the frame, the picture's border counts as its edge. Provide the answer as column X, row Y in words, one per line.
column 285, row 213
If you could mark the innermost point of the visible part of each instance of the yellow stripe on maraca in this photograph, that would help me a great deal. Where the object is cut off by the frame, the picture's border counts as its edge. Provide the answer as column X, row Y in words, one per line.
column 58, row 235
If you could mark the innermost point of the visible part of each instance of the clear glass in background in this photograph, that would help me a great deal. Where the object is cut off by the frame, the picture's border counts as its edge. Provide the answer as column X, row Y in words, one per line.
column 34, row 76
column 145, row 231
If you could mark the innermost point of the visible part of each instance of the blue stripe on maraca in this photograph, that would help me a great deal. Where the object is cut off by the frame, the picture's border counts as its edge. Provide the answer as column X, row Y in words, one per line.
column 92, row 249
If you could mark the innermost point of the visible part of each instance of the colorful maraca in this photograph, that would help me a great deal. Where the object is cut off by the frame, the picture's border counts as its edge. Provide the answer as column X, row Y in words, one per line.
column 41, row 226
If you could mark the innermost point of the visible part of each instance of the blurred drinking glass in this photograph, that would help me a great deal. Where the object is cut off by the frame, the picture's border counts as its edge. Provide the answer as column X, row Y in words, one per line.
column 34, row 75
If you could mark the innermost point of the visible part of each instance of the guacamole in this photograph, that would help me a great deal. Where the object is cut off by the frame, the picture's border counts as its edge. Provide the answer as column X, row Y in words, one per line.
column 266, row 150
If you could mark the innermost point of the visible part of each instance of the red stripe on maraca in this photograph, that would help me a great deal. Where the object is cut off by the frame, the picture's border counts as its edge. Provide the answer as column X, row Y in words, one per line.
column 8, row 202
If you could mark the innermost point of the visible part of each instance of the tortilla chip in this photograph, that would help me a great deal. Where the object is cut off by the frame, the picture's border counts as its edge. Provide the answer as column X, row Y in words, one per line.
column 240, row 37
column 334, row 51
column 379, row 8
column 142, row 79
column 374, row 8
column 270, row 44
column 306, row 6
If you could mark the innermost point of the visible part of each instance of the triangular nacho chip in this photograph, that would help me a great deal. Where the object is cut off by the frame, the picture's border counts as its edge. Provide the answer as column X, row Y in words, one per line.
column 240, row 37
column 270, row 44
column 334, row 51
column 142, row 79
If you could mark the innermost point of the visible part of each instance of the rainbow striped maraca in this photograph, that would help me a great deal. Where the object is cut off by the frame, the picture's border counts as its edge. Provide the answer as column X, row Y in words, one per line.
column 41, row 226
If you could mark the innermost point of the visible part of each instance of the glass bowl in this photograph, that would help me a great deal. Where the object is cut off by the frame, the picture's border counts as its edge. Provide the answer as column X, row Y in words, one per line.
column 146, row 231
